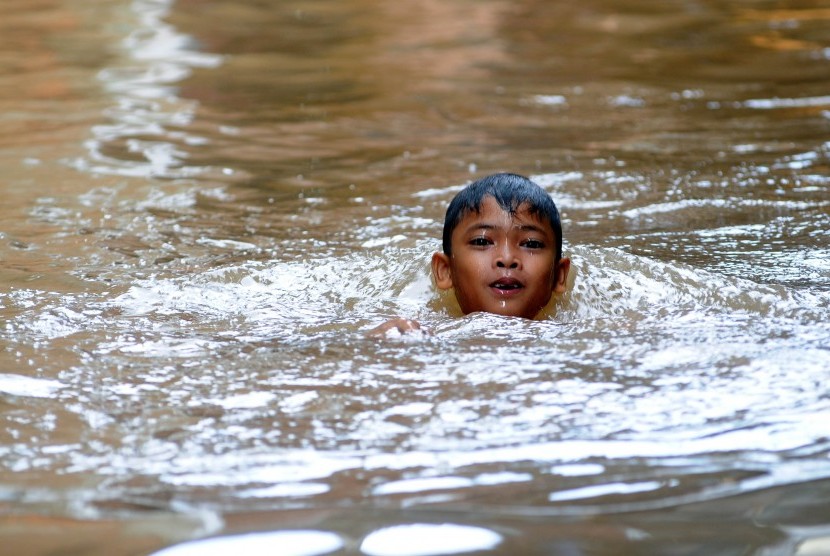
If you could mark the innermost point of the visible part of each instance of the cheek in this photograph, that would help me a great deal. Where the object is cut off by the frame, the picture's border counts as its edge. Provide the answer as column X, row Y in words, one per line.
column 548, row 278
column 469, row 265
column 543, row 267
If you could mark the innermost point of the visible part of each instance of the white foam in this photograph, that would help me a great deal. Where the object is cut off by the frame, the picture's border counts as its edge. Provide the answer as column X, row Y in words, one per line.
column 604, row 490
column 19, row 385
column 425, row 539
column 284, row 543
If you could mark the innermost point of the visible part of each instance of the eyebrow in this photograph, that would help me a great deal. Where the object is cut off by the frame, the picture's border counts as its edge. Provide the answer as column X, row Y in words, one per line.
column 523, row 227
column 532, row 228
column 480, row 226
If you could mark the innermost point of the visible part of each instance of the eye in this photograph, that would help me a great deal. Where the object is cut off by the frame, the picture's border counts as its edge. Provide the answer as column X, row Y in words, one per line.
column 533, row 244
column 480, row 242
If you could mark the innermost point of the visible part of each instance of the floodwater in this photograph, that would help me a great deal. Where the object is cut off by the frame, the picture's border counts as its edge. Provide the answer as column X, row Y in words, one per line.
column 206, row 204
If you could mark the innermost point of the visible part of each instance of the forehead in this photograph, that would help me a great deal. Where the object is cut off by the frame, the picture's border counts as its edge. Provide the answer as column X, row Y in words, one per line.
column 490, row 214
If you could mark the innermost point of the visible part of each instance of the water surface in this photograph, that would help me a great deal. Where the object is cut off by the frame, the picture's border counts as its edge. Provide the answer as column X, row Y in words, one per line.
column 207, row 205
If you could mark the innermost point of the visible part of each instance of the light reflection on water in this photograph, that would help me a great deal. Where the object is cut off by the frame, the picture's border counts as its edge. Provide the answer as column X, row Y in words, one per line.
column 246, row 215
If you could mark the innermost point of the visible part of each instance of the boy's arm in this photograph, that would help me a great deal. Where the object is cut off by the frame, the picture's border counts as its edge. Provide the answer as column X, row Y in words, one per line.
column 396, row 327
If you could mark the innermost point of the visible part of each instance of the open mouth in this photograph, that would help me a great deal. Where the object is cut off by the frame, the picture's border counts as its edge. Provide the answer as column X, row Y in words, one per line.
column 507, row 284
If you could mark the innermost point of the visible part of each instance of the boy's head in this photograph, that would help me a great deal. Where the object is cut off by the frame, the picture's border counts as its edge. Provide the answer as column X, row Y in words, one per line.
column 502, row 247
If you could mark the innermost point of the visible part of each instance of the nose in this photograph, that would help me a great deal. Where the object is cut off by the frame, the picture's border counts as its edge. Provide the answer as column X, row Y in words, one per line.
column 507, row 258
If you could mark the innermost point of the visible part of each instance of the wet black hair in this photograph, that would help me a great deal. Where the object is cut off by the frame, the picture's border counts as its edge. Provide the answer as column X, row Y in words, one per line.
column 510, row 191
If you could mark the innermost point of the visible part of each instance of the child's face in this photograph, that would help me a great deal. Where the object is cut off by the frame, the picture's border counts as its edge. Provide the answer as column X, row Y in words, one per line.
column 501, row 264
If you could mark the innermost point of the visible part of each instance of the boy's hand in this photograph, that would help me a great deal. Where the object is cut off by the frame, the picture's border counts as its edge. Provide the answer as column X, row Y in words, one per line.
column 396, row 328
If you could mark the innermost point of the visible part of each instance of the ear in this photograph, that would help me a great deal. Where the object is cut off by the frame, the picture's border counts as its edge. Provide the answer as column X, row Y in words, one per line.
column 560, row 275
column 441, row 271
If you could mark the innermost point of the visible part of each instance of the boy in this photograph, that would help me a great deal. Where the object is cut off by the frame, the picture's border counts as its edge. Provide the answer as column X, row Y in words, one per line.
column 502, row 250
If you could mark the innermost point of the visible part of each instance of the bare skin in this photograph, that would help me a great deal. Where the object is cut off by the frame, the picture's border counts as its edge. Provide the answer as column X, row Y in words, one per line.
column 501, row 263
column 397, row 325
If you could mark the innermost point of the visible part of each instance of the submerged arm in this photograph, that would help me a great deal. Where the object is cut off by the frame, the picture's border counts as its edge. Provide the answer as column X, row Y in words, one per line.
column 396, row 327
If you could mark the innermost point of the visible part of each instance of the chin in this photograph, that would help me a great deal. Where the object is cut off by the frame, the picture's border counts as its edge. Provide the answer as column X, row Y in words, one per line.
column 518, row 312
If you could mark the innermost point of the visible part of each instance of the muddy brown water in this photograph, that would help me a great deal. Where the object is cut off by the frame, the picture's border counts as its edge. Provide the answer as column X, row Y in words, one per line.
column 206, row 204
